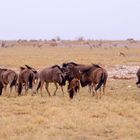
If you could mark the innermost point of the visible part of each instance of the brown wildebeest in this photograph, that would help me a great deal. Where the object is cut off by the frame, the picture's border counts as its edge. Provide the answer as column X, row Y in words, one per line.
column 54, row 75
column 27, row 77
column 73, row 87
column 95, row 77
column 138, row 76
column 8, row 77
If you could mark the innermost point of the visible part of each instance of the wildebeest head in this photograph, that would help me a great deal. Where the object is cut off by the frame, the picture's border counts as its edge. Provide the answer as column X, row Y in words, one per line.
column 72, row 70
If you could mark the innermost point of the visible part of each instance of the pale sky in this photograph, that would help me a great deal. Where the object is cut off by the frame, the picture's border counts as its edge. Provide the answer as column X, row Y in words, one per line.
column 69, row 19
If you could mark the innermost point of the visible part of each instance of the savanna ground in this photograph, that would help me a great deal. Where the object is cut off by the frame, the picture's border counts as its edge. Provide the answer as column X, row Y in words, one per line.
column 116, row 116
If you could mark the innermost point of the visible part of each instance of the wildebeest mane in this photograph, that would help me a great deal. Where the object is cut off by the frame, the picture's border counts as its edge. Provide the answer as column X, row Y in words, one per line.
column 33, row 70
column 73, row 63
column 3, row 69
column 66, row 64
column 57, row 66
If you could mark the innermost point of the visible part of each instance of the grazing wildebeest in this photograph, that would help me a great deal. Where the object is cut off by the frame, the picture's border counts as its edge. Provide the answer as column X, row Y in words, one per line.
column 27, row 77
column 73, row 87
column 54, row 75
column 95, row 77
column 138, row 76
column 8, row 77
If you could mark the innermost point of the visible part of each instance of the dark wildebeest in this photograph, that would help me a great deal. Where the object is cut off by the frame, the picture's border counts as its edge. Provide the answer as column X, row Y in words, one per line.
column 73, row 87
column 54, row 75
column 27, row 77
column 138, row 76
column 95, row 77
column 8, row 77
column 74, row 70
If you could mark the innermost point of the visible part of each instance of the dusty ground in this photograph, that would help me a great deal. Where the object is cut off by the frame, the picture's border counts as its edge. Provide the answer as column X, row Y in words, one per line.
column 115, row 116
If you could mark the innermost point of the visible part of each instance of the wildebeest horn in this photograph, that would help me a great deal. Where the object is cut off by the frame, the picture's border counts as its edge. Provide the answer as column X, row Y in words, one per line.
column 22, row 68
column 80, row 72
column 28, row 67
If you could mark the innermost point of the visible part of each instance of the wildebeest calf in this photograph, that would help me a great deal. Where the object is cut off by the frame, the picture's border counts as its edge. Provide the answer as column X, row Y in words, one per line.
column 73, row 87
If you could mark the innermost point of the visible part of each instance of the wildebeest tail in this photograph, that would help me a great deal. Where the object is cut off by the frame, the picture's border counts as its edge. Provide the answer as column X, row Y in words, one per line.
column 71, row 93
column 100, row 82
column 39, row 85
column 19, row 88
column 30, row 80
column 1, row 88
column 77, row 88
column 14, row 81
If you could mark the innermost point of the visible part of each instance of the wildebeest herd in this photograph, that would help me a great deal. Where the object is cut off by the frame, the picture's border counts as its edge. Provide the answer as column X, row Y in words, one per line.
column 93, row 76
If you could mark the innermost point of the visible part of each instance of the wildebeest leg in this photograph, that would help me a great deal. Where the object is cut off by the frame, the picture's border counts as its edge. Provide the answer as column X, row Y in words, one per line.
column 90, row 88
column 104, row 86
column 100, row 92
column 62, row 90
column 46, row 86
column 55, row 89
column 10, row 92
column 96, row 92
column 5, row 89
column 41, row 87
column 93, row 90
column 26, row 88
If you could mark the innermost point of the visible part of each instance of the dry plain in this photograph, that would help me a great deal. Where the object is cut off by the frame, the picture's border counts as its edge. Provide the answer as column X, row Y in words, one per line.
column 116, row 116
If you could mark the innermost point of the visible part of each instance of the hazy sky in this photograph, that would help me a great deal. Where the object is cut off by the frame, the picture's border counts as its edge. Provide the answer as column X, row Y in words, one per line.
column 69, row 19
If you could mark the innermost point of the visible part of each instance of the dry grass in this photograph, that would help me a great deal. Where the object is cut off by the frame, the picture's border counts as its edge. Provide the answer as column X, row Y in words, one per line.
column 46, row 56
column 115, row 116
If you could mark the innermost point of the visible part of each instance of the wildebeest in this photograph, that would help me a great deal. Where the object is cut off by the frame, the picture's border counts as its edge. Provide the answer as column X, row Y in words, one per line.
column 138, row 76
column 8, row 77
column 95, row 77
column 73, row 87
column 27, row 77
column 74, row 70
column 54, row 75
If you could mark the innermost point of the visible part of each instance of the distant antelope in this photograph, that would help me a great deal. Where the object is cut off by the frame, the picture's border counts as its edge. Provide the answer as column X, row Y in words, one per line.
column 126, row 47
column 122, row 54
